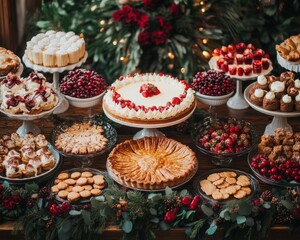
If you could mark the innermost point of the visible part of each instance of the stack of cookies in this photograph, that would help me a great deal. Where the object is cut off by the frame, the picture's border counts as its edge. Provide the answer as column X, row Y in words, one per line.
column 77, row 186
column 222, row 185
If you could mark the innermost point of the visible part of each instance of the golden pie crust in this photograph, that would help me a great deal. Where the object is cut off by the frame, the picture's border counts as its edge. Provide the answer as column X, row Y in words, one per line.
column 9, row 62
column 151, row 163
column 290, row 48
column 180, row 115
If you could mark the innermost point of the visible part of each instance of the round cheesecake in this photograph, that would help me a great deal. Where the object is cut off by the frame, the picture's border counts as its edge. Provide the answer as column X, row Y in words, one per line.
column 149, row 97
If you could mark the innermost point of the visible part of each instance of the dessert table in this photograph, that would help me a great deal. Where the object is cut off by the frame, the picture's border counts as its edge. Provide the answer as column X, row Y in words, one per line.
column 257, row 119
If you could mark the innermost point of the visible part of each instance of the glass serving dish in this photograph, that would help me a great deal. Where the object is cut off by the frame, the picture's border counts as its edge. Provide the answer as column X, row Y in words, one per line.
column 221, row 159
column 254, row 185
column 282, row 183
column 43, row 177
column 85, row 160
column 81, row 200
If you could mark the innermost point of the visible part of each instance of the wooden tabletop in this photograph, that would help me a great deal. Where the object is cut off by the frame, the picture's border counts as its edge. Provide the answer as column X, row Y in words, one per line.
column 258, row 120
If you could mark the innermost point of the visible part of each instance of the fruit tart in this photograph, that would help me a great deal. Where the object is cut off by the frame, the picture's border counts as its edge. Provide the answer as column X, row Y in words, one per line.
column 9, row 62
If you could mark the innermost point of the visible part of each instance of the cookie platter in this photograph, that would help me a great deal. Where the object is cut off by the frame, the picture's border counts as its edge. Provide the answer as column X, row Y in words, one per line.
column 78, row 185
column 223, row 185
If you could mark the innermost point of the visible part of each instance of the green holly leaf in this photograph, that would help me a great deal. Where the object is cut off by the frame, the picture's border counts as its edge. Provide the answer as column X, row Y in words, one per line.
column 168, row 191
column 74, row 213
column 163, row 226
column 222, row 213
column 183, row 193
column 127, row 226
column 212, row 229
column 189, row 214
column 5, row 184
column 266, row 205
column 207, row 210
column 240, row 219
column 100, row 198
column 154, row 196
column 153, row 211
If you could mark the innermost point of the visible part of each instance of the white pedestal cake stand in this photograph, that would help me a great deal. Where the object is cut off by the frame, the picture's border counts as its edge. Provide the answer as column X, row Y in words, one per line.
column 149, row 129
column 28, row 125
column 279, row 118
column 238, row 101
column 55, row 71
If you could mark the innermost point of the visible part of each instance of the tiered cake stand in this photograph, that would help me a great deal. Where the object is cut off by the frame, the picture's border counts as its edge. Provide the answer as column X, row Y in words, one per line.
column 238, row 101
column 149, row 129
column 55, row 71
column 28, row 125
column 279, row 118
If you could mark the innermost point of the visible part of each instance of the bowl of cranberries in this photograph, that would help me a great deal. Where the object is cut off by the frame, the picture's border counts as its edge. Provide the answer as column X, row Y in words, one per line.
column 83, row 88
column 213, row 87
column 283, row 173
column 224, row 138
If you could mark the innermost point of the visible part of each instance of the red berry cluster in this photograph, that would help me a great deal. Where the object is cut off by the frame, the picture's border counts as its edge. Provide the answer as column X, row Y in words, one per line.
column 212, row 83
column 149, row 90
column 289, row 170
column 232, row 57
column 230, row 136
column 83, row 84
column 57, row 210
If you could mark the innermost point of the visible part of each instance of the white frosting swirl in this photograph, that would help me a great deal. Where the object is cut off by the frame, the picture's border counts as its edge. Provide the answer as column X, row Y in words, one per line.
column 297, row 98
column 297, row 83
column 262, row 80
column 259, row 93
column 270, row 95
column 277, row 86
column 50, row 32
column 286, row 98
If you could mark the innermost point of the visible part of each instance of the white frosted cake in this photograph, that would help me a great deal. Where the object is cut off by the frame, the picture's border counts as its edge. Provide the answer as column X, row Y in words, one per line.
column 55, row 49
column 149, row 97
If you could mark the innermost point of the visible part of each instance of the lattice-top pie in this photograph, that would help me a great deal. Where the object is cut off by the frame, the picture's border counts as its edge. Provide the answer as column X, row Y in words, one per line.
column 9, row 62
column 151, row 163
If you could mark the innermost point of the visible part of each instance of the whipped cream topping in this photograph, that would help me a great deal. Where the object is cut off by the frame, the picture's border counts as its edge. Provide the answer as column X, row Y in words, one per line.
column 60, row 34
column 50, row 32
column 259, row 93
column 70, row 34
column 277, row 86
column 128, row 88
column 297, row 98
column 297, row 83
column 286, row 98
column 262, row 80
column 270, row 95
column 12, row 170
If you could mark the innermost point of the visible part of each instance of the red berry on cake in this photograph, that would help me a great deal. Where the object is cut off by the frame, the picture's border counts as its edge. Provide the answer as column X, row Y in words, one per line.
column 149, row 90
column 247, row 71
column 220, row 61
column 250, row 46
column 240, row 71
column 240, row 47
column 232, row 70
column 224, row 50
column 230, row 48
column 216, row 52
column 176, row 101
column 265, row 63
column 224, row 66
column 258, row 54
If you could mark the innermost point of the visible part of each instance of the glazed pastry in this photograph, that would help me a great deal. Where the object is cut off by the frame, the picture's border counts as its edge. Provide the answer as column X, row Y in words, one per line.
column 16, row 138
column 297, row 102
column 34, row 81
column 3, row 150
column 288, row 138
column 14, row 153
column 12, row 103
column 279, row 135
column 9, row 143
column 27, row 154
column 278, row 88
column 261, row 83
column 47, row 162
column 287, row 78
column 41, row 141
column 45, row 98
column 272, row 79
column 42, row 151
column 37, row 164
column 9, row 161
column 257, row 97
column 28, row 170
column 286, row 104
column 31, row 106
column 270, row 102
column 13, row 171
column 28, row 137
column 9, row 62
column 296, row 156
column 288, row 151
column 275, row 153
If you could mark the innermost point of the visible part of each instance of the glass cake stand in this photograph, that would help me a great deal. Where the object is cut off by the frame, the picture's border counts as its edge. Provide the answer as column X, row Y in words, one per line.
column 27, row 125
column 238, row 101
column 85, row 160
column 55, row 71
column 279, row 118
column 149, row 129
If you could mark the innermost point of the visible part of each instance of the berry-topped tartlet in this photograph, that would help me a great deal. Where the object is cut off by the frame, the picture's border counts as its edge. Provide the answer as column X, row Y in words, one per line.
column 149, row 97
column 31, row 95
column 83, row 88
column 241, row 60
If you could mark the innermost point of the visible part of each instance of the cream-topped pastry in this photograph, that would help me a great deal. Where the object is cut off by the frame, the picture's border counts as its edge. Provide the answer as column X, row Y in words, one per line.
column 286, row 104
column 148, row 96
column 12, row 83
column 34, row 81
column 55, row 49
column 270, row 95
column 277, row 86
column 262, row 80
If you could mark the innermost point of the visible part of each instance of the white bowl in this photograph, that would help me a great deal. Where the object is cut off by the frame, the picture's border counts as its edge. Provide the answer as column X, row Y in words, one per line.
column 213, row 100
column 84, row 102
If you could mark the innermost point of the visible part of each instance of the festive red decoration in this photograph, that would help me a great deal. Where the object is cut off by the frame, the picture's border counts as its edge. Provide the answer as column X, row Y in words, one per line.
column 55, row 210
column 159, row 37
column 194, row 204
column 9, row 203
column 296, row 213
column 65, row 207
column 175, row 10
column 169, row 217
column 144, row 38
column 143, row 21
column 186, row 201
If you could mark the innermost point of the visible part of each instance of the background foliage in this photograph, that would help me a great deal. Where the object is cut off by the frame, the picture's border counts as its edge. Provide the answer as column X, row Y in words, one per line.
column 214, row 22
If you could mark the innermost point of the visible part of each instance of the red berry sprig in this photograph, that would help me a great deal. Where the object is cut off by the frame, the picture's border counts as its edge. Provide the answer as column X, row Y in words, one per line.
column 212, row 83
column 83, row 84
column 149, row 90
